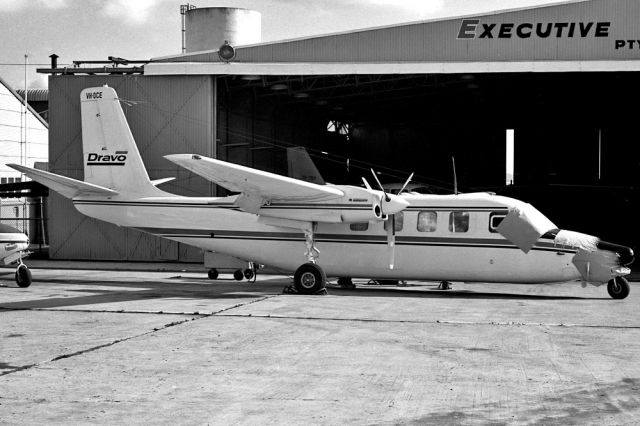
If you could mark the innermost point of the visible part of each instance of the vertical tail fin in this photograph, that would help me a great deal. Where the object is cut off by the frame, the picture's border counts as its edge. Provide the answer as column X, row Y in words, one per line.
column 301, row 166
column 111, row 157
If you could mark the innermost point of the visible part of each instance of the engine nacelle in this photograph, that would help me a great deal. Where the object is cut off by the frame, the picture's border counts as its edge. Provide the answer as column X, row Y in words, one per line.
column 357, row 205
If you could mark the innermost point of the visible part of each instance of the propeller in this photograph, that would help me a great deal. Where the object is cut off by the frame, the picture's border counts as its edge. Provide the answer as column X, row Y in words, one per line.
column 395, row 204
column 391, row 223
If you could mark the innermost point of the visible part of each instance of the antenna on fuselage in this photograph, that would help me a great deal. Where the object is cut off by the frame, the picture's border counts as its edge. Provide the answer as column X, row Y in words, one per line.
column 455, row 177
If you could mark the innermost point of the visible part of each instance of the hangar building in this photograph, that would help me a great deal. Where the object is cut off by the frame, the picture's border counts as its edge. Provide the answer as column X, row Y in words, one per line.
column 402, row 98
column 23, row 140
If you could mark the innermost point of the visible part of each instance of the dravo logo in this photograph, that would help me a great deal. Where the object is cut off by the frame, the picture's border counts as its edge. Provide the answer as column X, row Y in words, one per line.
column 117, row 159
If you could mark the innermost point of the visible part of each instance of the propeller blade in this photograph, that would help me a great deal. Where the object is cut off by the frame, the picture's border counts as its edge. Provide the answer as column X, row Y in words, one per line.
column 386, row 197
column 366, row 184
column 391, row 240
column 405, row 184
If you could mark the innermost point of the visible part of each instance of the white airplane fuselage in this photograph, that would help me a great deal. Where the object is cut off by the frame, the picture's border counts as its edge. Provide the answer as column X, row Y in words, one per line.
column 436, row 252
column 12, row 244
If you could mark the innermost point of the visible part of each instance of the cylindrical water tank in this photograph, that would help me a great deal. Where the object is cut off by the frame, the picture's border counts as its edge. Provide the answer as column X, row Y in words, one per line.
column 207, row 28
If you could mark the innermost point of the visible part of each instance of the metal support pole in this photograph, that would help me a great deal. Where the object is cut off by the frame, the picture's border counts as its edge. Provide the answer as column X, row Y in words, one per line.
column 26, row 115
column 599, row 154
column 184, row 8
column 214, row 128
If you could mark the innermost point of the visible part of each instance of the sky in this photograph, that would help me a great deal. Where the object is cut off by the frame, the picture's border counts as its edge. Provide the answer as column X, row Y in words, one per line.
column 143, row 29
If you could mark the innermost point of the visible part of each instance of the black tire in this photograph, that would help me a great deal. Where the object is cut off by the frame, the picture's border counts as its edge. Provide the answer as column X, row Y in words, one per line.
column 248, row 274
column 309, row 279
column 212, row 274
column 238, row 275
column 618, row 288
column 23, row 276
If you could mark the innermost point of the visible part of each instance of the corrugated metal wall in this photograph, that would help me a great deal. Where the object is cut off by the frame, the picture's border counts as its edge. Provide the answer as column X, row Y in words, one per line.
column 167, row 115
column 438, row 41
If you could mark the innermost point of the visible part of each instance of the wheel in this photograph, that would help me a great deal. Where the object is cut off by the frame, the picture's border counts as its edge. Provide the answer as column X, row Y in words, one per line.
column 238, row 275
column 618, row 288
column 213, row 274
column 248, row 274
column 23, row 276
column 309, row 279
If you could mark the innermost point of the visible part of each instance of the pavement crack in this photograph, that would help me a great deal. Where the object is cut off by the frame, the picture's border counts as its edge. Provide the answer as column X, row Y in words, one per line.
column 16, row 369
column 117, row 341
column 102, row 346
column 240, row 305
column 446, row 322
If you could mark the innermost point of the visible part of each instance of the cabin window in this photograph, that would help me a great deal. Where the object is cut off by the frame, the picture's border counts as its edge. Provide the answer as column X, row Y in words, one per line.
column 359, row 226
column 427, row 221
column 494, row 221
column 399, row 222
column 458, row 221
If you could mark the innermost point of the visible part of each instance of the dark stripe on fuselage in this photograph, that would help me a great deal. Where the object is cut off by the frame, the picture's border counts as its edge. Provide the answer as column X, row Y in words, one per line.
column 347, row 238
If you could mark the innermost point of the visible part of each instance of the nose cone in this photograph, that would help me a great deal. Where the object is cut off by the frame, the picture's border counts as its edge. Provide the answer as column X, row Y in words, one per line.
column 625, row 253
column 394, row 205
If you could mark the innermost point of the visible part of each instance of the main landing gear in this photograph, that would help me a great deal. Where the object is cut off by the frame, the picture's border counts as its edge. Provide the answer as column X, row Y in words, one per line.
column 618, row 288
column 310, row 277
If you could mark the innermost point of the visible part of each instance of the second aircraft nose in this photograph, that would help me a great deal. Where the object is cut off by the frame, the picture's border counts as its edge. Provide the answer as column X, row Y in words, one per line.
column 625, row 253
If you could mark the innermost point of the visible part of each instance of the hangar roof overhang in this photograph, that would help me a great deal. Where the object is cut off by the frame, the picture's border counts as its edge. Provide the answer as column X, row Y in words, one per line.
column 332, row 68
column 571, row 36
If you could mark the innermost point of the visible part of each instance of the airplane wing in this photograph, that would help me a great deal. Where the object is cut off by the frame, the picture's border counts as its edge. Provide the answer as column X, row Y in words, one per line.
column 254, row 184
column 68, row 187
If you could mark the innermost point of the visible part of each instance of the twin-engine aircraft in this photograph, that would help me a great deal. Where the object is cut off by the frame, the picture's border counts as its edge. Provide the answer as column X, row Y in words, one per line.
column 347, row 231
column 13, row 248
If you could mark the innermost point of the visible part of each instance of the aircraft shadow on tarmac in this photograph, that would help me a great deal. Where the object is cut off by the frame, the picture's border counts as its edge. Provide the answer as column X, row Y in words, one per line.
column 117, row 292
column 184, row 288
column 452, row 294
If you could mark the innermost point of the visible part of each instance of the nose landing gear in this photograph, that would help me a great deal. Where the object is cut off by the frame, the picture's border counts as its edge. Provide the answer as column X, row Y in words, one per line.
column 23, row 275
column 618, row 288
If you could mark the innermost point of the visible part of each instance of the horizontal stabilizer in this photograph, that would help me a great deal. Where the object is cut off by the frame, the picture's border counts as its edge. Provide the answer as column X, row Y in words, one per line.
column 67, row 187
column 157, row 182
column 253, row 183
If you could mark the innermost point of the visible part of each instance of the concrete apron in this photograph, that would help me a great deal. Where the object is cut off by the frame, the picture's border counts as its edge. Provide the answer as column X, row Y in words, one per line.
column 107, row 347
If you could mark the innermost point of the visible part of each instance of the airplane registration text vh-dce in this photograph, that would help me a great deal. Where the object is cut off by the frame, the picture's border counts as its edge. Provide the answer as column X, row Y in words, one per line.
column 320, row 230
